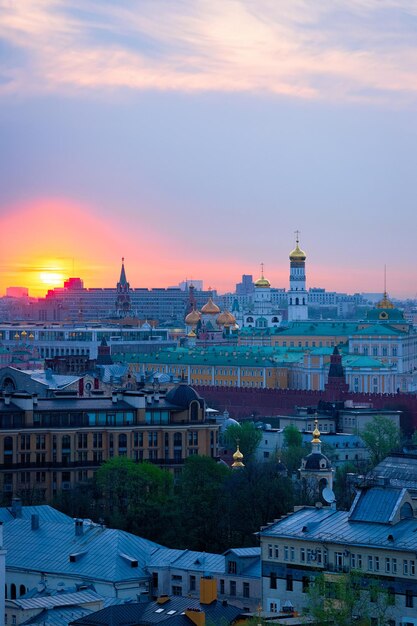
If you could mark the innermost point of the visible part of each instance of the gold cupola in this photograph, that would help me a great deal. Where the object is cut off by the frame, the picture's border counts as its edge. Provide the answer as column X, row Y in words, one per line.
column 262, row 281
column 226, row 319
column 237, row 458
column 385, row 303
column 316, row 432
column 210, row 308
column 192, row 318
column 297, row 254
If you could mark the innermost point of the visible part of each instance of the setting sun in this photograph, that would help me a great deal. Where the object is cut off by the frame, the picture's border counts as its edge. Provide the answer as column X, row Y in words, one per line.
column 51, row 279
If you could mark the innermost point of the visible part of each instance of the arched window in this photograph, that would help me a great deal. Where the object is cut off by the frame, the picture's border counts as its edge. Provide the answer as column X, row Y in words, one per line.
column 13, row 591
column 22, row 590
column 194, row 406
column 406, row 511
column 297, row 301
column 8, row 385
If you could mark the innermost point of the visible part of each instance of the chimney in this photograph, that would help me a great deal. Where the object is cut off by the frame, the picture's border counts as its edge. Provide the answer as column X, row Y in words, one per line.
column 16, row 507
column 197, row 616
column 79, row 527
column 208, row 590
column 34, row 519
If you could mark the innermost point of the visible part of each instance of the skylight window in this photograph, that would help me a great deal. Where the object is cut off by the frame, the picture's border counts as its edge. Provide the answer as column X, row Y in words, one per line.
column 159, row 610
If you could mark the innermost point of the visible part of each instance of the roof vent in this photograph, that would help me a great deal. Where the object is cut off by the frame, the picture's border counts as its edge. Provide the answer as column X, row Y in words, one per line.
column 76, row 556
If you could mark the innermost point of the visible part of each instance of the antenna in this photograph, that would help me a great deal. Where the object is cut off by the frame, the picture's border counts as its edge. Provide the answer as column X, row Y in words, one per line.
column 328, row 495
column 297, row 236
column 385, row 279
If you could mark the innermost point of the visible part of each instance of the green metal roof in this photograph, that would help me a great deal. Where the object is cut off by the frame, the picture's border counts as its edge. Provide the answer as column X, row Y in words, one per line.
column 380, row 329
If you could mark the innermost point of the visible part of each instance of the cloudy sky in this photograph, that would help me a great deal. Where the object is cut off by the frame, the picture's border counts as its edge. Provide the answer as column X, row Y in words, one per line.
column 193, row 137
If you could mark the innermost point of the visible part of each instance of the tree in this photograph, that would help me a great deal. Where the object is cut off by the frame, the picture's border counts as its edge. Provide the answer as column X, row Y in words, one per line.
column 134, row 496
column 201, row 503
column 247, row 435
column 346, row 599
column 381, row 436
column 343, row 488
column 292, row 437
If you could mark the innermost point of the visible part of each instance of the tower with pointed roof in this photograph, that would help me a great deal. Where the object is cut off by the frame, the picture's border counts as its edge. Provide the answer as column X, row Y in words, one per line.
column 316, row 471
column 336, row 382
column 297, row 294
column 123, row 302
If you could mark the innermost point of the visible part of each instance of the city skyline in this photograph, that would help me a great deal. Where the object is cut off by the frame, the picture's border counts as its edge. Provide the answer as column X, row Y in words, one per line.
column 191, row 147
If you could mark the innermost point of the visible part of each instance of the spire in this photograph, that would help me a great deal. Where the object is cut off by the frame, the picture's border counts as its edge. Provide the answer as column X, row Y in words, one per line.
column 123, row 281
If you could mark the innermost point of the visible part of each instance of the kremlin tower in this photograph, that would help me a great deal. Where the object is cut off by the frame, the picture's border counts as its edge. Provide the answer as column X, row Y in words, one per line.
column 123, row 303
column 297, row 295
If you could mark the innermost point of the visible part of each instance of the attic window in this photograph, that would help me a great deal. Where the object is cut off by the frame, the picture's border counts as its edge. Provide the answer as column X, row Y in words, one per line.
column 390, row 538
column 76, row 556
column 159, row 610
column 171, row 612
column 305, row 529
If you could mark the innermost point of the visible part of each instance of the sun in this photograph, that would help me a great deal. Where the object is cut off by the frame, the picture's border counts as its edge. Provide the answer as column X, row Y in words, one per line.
column 51, row 279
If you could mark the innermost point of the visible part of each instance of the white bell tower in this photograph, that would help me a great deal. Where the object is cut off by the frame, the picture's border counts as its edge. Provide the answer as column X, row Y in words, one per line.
column 297, row 294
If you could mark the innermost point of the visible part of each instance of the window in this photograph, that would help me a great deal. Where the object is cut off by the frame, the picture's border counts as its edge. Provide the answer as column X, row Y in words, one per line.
column 405, row 567
column 231, row 567
column 409, row 601
column 376, row 563
column 285, row 553
column 246, row 590
column 232, row 587
column 192, row 583
column 270, row 550
column 370, row 563
column 276, row 552
column 338, row 561
column 272, row 580
column 222, row 586
column 387, row 565
column 302, row 555
column 394, row 565
column 289, row 581
column 176, row 590
column 306, row 583
column 292, row 553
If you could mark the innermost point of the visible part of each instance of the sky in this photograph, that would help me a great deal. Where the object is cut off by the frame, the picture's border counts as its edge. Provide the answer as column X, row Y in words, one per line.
column 195, row 137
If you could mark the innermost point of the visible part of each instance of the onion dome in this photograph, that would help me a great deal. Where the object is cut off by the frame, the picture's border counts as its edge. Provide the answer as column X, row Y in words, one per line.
column 237, row 458
column 385, row 303
column 24, row 334
column 17, row 336
column 192, row 318
column 226, row 319
column 297, row 254
column 210, row 308
column 316, row 433
column 316, row 461
column 31, row 336
column 262, row 282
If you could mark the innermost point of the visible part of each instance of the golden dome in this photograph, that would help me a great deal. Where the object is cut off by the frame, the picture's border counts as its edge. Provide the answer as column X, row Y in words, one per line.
column 24, row 334
column 316, row 433
column 297, row 254
column 226, row 319
column 31, row 336
column 385, row 303
column 192, row 318
column 237, row 458
column 17, row 336
column 262, row 282
column 210, row 308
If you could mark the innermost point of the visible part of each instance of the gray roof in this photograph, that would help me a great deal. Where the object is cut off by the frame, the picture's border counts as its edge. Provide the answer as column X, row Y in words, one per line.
column 244, row 552
column 101, row 552
column 45, row 512
column 57, row 599
column 377, row 505
column 329, row 525
column 57, row 617
column 153, row 613
column 200, row 561
column 400, row 470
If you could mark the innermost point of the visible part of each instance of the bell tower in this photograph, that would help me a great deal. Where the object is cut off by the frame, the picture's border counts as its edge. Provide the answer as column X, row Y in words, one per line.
column 297, row 294
column 123, row 302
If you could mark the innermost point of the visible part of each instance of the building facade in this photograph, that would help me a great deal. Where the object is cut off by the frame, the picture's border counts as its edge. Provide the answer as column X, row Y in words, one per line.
column 48, row 445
